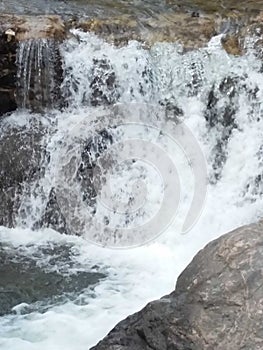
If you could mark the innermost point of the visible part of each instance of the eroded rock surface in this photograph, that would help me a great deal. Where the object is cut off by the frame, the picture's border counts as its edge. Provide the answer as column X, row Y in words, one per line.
column 217, row 303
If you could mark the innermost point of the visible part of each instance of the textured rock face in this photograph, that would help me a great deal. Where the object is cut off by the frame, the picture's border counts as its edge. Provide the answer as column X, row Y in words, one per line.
column 217, row 303
column 191, row 29
column 7, row 73
column 33, row 27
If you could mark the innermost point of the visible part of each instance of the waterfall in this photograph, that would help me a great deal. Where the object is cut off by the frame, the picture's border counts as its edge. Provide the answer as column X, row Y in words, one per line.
column 106, row 87
column 37, row 74
column 102, row 171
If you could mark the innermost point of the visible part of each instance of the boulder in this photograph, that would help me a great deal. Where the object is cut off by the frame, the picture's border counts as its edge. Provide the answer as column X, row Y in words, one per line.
column 217, row 303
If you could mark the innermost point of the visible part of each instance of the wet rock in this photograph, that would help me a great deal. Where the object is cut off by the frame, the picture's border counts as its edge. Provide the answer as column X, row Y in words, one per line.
column 39, row 75
column 33, row 27
column 25, row 78
column 222, row 106
column 24, row 279
column 217, row 303
column 104, row 87
column 87, row 174
column 232, row 45
column 254, row 186
column 7, row 73
column 186, row 25
column 191, row 32
column 52, row 216
column 172, row 111
column 220, row 116
column 89, row 178
column 20, row 164
column 118, row 29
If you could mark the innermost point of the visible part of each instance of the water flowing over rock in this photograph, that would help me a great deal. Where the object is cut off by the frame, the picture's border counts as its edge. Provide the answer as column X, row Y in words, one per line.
column 31, row 67
column 121, row 123
column 39, row 74
column 21, row 151
column 30, row 60
column 217, row 303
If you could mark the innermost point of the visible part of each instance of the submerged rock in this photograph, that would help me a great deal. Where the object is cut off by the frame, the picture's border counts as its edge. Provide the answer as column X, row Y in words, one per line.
column 217, row 303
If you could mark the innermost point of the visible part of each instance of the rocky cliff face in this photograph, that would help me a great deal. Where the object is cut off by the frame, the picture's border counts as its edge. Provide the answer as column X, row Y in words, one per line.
column 217, row 303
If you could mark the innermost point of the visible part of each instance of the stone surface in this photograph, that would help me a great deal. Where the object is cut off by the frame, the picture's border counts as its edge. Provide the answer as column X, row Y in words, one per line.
column 33, row 27
column 217, row 303
column 191, row 29
column 7, row 73
column 24, row 279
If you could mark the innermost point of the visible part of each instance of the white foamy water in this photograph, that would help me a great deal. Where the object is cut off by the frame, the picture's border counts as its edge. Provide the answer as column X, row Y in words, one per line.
column 138, row 275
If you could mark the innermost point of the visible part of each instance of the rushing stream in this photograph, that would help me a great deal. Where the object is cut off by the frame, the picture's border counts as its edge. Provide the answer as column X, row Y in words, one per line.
column 215, row 96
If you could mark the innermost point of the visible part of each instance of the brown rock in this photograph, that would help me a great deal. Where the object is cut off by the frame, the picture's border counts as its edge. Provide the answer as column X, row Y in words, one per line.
column 232, row 45
column 33, row 27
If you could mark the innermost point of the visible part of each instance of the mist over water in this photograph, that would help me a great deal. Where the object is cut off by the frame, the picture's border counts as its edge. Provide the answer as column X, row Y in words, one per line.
column 217, row 97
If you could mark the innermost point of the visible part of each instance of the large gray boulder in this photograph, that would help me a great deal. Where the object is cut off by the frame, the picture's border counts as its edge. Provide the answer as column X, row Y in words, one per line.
column 217, row 303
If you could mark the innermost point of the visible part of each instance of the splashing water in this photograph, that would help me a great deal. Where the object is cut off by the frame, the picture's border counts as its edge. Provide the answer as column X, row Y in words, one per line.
column 217, row 97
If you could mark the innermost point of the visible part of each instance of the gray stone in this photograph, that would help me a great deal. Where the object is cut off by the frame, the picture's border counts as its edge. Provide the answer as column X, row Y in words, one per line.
column 217, row 303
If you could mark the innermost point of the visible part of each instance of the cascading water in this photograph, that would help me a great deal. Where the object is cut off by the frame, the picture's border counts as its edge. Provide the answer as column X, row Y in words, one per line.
column 216, row 96
column 37, row 85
